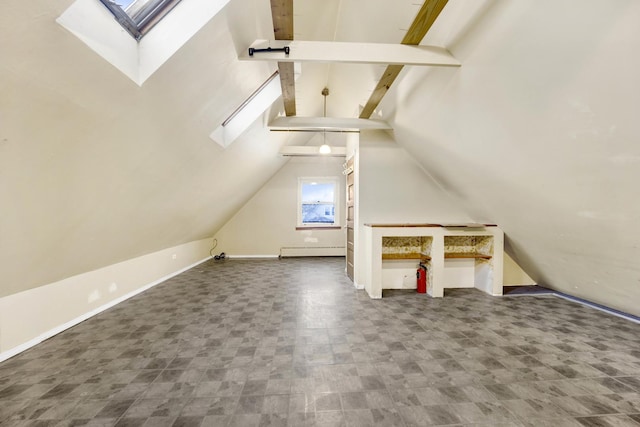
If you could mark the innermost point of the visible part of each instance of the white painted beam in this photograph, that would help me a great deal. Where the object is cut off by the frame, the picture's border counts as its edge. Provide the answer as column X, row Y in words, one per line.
column 362, row 53
column 326, row 123
column 311, row 151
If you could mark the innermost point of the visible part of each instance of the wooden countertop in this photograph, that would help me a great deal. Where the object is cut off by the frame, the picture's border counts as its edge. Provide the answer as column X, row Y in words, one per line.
column 401, row 225
column 410, row 255
column 468, row 225
column 466, row 255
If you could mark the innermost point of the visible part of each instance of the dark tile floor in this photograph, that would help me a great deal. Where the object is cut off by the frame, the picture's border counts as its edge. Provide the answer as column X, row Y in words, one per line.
column 290, row 342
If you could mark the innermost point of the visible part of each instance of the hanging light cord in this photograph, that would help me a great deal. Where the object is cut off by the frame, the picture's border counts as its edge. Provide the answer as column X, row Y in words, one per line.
column 324, row 111
column 325, row 92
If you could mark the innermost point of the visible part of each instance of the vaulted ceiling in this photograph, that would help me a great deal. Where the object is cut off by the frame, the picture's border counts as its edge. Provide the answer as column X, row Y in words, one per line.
column 537, row 131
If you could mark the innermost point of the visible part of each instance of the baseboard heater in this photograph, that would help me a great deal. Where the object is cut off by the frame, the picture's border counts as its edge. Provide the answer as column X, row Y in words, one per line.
column 302, row 251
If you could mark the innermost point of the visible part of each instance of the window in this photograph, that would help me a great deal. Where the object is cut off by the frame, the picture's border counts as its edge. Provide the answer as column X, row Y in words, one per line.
column 247, row 113
column 318, row 202
column 139, row 16
column 138, row 59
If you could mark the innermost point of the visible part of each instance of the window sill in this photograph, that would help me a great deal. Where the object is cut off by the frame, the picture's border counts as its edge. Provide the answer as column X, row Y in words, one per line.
column 315, row 227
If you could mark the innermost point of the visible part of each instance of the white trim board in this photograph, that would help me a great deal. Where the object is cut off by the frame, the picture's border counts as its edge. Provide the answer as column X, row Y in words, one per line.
column 311, row 151
column 349, row 52
column 252, row 256
column 318, row 124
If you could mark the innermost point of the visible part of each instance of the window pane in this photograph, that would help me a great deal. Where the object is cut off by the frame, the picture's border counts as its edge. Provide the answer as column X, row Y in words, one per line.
column 318, row 213
column 318, row 192
column 124, row 4
column 138, row 10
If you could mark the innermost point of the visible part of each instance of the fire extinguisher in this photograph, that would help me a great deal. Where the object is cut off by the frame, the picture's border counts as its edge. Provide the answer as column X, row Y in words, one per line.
column 422, row 279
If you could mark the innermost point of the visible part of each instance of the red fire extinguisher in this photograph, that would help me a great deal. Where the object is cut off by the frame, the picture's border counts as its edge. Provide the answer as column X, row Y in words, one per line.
column 422, row 279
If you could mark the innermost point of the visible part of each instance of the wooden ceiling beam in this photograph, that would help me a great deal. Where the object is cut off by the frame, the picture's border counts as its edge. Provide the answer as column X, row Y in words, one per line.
column 288, row 84
column 385, row 82
column 423, row 21
column 282, row 17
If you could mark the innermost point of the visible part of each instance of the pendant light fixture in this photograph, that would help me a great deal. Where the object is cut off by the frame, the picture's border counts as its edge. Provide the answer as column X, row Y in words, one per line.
column 324, row 148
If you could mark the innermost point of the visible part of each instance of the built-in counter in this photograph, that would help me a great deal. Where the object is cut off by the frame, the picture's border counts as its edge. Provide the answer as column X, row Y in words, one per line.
column 456, row 256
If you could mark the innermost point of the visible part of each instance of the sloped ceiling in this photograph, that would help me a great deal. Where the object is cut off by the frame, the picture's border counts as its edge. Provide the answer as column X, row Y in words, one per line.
column 537, row 131
column 94, row 169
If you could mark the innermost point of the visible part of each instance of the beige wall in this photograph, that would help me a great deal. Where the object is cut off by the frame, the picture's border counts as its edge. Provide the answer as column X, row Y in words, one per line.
column 538, row 131
column 31, row 316
column 95, row 170
column 267, row 222
column 394, row 189
column 513, row 274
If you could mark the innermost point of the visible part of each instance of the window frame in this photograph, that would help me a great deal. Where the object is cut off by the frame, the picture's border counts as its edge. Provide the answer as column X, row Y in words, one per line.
column 147, row 20
column 336, row 202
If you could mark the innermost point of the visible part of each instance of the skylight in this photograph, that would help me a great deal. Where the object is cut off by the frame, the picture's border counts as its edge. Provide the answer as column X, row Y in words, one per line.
column 139, row 16
column 138, row 59
column 247, row 113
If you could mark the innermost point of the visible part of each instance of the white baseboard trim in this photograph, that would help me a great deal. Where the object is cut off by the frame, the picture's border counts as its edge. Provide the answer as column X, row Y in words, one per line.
column 314, row 251
column 55, row 331
column 357, row 285
column 252, row 256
